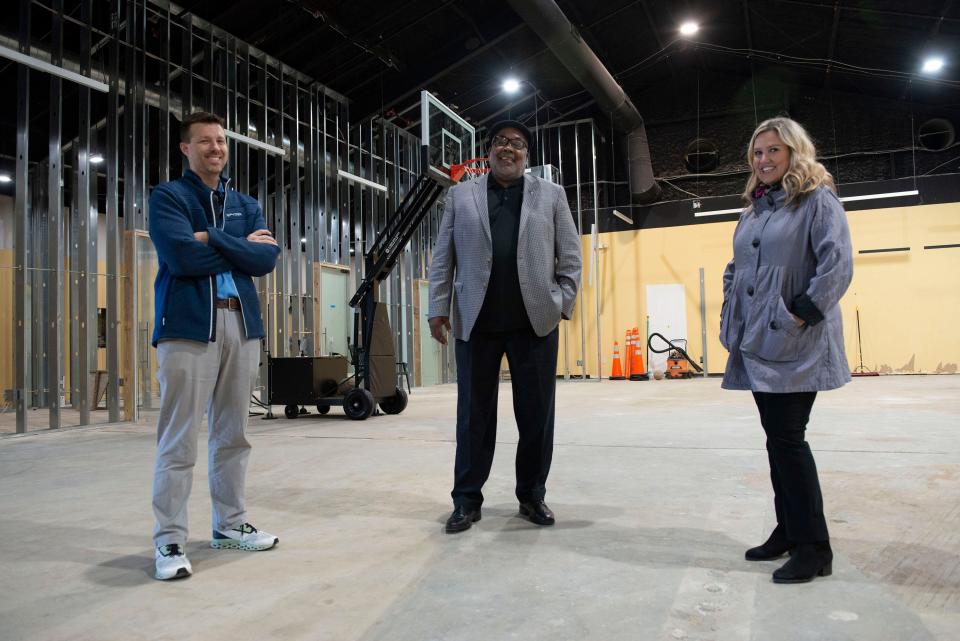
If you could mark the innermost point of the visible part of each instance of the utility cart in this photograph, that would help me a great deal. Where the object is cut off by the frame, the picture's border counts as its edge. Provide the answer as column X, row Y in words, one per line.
column 324, row 382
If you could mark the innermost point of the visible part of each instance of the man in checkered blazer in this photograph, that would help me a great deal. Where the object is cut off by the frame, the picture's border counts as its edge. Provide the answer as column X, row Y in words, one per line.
column 505, row 270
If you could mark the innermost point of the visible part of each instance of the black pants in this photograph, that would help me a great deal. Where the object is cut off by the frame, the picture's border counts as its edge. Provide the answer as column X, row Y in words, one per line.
column 533, row 368
column 793, row 472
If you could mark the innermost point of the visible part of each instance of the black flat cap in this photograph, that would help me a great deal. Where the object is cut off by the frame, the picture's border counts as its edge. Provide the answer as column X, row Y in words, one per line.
column 515, row 124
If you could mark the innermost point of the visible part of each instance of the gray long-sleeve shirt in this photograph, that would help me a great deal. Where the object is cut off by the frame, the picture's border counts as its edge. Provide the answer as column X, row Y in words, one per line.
column 782, row 255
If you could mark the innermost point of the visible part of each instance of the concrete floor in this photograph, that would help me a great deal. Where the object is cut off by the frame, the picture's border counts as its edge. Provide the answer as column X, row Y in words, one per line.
column 658, row 489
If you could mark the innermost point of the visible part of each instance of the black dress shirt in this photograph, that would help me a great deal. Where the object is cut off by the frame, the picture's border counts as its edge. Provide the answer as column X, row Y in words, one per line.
column 503, row 308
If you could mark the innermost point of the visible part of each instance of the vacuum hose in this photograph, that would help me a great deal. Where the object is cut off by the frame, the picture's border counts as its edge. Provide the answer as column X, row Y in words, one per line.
column 672, row 346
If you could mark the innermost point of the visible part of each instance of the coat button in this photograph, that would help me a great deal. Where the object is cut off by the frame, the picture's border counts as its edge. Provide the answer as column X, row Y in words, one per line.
column 774, row 325
column 756, row 242
column 749, row 291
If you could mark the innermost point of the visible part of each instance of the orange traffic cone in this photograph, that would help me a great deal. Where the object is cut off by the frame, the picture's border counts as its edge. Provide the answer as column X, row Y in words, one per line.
column 617, row 373
column 628, row 342
column 637, row 370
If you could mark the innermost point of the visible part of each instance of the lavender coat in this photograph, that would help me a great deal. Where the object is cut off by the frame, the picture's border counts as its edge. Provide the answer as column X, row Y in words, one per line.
column 780, row 253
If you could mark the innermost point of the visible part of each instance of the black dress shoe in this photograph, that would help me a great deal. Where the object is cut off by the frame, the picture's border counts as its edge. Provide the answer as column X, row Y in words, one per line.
column 537, row 512
column 774, row 547
column 807, row 561
column 461, row 519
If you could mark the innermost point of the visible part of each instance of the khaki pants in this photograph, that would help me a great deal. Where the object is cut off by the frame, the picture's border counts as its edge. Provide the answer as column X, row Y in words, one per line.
column 194, row 377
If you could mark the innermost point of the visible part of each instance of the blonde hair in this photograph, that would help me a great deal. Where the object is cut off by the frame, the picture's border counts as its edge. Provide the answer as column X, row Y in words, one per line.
column 804, row 173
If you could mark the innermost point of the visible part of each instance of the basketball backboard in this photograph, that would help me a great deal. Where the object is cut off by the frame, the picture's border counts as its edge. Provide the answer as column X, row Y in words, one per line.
column 447, row 138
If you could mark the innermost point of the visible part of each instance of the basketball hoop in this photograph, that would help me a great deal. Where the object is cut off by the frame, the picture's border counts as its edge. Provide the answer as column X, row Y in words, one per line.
column 458, row 170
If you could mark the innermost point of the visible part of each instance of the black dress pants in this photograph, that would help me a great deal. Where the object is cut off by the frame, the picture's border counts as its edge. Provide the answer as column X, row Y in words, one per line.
column 533, row 368
column 793, row 472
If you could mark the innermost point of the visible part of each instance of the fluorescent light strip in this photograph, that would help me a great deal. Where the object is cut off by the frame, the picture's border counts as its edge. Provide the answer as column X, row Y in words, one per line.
column 845, row 199
column 892, row 194
column 623, row 217
column 40, row 65
column 362, row 181
column 259, row 144
column 718, row 212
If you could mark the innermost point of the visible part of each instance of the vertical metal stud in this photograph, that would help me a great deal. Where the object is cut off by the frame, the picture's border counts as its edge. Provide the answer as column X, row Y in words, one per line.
column 86, row 303
column 310, row 324
column 327, row 171
column 163, row 125
column 186, row 92
column 140, row 358
column 54, row 320
column 266, row 283
column 127, row 259
column 280, row 224
column 208, row 72
column 241, row 108
column 596, row 250
column 296, row 246
column 343, row 189
column 36, row 260
column 113, row 235
column 358, row 211
column 583, row 335
column 22, row 294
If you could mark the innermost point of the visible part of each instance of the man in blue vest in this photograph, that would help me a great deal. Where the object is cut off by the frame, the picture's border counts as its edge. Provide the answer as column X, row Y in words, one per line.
column 210, row 241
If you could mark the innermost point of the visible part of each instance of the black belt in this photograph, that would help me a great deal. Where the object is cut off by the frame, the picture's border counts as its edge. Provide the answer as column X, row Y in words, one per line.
column 232, row 304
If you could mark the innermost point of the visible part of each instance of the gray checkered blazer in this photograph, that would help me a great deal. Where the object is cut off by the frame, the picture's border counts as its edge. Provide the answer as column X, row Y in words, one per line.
column 548, row 256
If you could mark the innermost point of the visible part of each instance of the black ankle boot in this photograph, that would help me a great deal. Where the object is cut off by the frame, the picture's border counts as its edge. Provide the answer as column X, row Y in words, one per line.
column 807, row 561
column 774, row 547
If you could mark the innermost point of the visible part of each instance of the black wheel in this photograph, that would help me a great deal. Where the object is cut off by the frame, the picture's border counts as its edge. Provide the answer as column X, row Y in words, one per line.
column 291, row 411
column 358, row 404
column 396, row 403
column 323, row 409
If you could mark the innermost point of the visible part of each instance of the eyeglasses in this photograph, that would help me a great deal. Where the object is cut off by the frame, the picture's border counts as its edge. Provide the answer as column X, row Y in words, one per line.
column 503, row 141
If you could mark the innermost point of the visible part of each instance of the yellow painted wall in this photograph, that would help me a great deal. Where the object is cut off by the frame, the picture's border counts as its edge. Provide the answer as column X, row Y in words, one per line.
column 908, row 302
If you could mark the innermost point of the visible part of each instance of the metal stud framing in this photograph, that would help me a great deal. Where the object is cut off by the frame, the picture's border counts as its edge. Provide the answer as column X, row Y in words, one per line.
column 157, row 64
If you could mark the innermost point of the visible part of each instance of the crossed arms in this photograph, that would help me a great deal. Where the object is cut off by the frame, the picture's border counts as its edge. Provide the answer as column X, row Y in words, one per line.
column 212, row 251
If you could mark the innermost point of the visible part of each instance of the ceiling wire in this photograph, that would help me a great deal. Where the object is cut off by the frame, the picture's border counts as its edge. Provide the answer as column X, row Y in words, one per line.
column 834, row 65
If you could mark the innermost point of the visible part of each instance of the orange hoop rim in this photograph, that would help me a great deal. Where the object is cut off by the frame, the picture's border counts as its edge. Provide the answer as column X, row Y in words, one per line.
column 459, row 169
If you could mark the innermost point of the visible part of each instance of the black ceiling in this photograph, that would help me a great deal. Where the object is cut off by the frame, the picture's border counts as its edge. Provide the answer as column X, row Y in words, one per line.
column 848, row 70
column 380, row 54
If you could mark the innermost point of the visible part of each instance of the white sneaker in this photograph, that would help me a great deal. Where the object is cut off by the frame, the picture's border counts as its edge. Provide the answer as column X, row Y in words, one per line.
column 243, row 537
column 172, row 563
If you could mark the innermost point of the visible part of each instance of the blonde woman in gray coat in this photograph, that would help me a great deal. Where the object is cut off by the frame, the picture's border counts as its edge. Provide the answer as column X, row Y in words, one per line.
column 780, row 321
